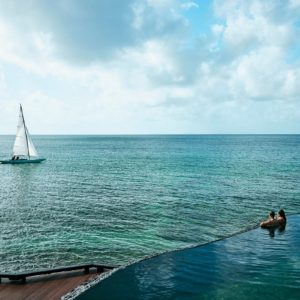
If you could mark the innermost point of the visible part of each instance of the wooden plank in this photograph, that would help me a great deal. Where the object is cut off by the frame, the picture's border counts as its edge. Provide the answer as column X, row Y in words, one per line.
column 46, row 287
column 23, row 275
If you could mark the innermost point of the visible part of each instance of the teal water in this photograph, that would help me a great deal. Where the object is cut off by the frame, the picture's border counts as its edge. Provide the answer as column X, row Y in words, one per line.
column 251, row 265
column 114, row 199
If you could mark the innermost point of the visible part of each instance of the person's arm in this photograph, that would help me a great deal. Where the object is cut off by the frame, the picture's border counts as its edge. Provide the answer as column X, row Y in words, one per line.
column 269, row 223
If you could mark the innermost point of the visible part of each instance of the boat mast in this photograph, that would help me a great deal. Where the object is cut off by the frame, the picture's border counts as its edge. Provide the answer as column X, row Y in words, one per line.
column 25, row 129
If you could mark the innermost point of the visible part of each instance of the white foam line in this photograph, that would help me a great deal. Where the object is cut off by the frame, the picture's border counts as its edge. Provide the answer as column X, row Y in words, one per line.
column 86, row 285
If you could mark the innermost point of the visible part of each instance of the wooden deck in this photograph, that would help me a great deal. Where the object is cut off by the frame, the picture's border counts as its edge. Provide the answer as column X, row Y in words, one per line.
column 46, row 286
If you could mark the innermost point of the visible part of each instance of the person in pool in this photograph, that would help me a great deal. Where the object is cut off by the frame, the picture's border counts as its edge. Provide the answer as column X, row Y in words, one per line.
column 271, row 222
column 281, row 218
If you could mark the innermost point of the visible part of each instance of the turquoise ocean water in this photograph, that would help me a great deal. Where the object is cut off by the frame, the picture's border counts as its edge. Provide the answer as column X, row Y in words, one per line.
column 114, row 199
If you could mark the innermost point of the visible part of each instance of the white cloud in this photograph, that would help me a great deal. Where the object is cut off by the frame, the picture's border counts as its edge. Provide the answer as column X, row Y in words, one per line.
column 251, row 24
column 188, row 5
column 218, row 29
column 260, row 75
column 294, row 4
column 159, row 79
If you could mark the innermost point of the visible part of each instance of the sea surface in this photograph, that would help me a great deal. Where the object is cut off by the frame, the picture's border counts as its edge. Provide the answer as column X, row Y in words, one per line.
column 116, row 199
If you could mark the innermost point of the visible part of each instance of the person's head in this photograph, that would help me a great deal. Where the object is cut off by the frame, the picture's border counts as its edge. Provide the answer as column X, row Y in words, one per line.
column 272, row 214
column 282, row 214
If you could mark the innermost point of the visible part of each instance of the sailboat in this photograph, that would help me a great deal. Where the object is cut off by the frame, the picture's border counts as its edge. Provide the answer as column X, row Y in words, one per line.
column 23, row 149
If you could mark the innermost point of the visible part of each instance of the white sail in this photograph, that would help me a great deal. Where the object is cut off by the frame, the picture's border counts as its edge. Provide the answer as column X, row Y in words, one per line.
column 20, row 145
column 31, row 149
column 23, row 145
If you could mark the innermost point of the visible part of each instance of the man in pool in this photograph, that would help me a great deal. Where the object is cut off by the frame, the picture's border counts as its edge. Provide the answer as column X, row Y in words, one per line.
column 274, row 222
column 271, row 222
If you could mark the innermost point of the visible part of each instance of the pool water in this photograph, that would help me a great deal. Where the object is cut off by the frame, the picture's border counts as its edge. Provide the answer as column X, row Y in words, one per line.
column 256, row 264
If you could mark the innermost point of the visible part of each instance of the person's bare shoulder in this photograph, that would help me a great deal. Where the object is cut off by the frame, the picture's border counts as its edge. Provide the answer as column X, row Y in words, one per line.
column 269, row 223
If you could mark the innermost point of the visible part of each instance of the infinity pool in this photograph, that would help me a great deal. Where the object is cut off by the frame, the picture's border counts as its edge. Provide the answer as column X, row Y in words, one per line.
column 257, row 264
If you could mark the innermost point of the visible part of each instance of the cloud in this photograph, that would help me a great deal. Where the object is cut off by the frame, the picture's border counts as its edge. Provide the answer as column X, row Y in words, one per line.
column 188, row 5
column 263, row 75
column 250, row 27
column 294, row 4
column 146, row 64
column 81, row 30
column 89, row 31
column 254, row 42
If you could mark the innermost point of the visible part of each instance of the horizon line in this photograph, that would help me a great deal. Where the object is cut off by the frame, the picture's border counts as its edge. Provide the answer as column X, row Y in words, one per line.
column 143, row 134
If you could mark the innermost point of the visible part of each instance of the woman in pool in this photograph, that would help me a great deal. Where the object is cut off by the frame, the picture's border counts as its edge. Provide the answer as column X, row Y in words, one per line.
column 273, row 222
column 281, row 219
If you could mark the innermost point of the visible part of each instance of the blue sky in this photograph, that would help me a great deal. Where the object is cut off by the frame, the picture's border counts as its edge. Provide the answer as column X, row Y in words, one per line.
column 150, row 66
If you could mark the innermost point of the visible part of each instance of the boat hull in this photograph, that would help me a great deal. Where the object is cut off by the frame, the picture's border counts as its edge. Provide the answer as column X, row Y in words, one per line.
column 22, row 161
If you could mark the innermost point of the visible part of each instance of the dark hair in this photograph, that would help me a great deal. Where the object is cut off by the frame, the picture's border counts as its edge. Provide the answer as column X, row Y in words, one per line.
column 282, row 214
column 272, row 213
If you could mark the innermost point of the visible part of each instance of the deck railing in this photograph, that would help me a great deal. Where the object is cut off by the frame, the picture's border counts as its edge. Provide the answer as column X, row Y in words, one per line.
column 86, row 268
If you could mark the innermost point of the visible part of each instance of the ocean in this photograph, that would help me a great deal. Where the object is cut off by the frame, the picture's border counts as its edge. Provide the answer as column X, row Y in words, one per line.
column 116, row 199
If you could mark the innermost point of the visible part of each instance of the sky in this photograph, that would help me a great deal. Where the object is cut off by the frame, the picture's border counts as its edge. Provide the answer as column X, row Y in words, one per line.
column 150, row 66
